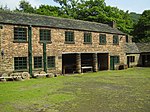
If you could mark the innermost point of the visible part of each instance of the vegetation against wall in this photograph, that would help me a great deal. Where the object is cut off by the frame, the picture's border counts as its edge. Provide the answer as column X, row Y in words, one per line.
column 142, row 28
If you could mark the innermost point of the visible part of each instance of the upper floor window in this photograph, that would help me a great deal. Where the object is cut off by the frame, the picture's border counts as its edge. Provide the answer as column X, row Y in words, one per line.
column 45, row 35
column 51, row 61
column 127, row 39
column 20, row 63
column 38, row 62
column 115, row 39
column 87, row 38
column 69, row 37
column 20, row 34
column 102, row 39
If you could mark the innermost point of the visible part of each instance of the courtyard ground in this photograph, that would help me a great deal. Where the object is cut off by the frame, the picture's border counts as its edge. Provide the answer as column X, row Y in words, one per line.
column 104, row 91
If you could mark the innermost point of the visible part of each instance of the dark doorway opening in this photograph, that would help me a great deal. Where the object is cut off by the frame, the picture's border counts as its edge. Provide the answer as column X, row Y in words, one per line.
column 102, row 61
column 146, row 60
column 87, row 62
column 68, row 63
column 113, row 61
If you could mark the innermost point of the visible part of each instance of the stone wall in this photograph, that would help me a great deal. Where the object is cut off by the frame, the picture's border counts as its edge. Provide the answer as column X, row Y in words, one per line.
column 57, row 47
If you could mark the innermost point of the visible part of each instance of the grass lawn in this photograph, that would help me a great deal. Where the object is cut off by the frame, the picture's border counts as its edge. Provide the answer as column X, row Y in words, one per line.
column 105, row 91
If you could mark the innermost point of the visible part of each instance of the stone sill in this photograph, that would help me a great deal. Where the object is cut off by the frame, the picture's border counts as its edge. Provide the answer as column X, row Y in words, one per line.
column 47, row 42
column 87, row 43
column 102, row 44
column 17, row 41
column 69, row 42
column 22, row 70
column 52, row 68
column 116, row 44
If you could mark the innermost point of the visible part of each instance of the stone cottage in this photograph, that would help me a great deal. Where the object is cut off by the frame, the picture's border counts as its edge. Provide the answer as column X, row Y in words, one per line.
column 35, row 43
column 138, row 54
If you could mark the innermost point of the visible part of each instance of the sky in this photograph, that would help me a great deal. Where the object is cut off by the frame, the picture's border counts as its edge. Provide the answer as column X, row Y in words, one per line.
column 137, row 6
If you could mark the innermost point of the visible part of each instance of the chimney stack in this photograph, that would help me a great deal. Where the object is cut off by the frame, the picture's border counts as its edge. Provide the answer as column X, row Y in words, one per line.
column 112, row 24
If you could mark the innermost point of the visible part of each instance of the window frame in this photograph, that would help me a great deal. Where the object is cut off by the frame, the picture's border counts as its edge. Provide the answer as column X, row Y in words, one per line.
column 38, row 64
column 51, row 62
column 115, row 40
column 132, row 59
column 69, row 37
column 87, row 37
column 20, row 63
column 20, row 34
column 45, row 35
column 102, row 39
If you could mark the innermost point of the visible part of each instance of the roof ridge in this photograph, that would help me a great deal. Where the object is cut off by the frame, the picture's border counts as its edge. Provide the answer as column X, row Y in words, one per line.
column 33, row 14
column 57, row 22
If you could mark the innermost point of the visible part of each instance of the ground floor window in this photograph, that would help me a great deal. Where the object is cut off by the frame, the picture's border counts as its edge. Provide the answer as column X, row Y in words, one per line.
column 38, row 62
column 132, row 58
column 20, row 63
column 51, row 61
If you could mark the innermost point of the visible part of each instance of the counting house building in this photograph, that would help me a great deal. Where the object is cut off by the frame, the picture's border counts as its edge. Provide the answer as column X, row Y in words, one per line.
column 34, row 43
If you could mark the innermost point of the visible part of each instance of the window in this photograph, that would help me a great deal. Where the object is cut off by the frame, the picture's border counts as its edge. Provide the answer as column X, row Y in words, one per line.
column 115, row 40
column 51, row 61
column 45, row 35
column 69, row 37
column 37, row 62
column 87, row 38
column 127, row 39
column 102, row 39
column 20, row 34
column 116, row 59
column 132, row 58
column 20, row 63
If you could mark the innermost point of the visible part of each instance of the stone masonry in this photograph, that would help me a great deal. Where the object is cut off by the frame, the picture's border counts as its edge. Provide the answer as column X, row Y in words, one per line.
column 57, row 47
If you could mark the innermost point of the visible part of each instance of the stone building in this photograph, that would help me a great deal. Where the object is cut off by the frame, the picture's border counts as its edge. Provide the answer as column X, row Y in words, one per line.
column 34, row 43
column 138, row 54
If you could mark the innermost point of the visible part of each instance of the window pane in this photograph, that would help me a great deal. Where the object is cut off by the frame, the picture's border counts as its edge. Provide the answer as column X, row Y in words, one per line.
column 102, row 39
column 20, row 63
column 20, row 34
column 51, row 61
column 37, row 62
column 132, row 58
column 45, row 35
column 87, row 37
column 69, row 36
column 115, row 39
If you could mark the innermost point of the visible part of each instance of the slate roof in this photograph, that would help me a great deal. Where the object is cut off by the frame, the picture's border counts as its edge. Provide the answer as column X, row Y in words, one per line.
column 54, row 22
column 143, row 47
column 137, row 48
column 131, row 48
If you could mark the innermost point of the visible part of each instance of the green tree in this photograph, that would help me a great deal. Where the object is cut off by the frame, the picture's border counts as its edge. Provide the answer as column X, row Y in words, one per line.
column 97, row 11
column 68, row 8
column 135, row 17
column 48, row 10
column 26, row 7
column 92, row 10
column 142, row 28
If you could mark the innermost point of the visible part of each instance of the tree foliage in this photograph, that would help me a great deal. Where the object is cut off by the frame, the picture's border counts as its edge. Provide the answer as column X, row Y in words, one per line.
column 48, row 10
column 142, row 28
column 135, row 17
column 25, row 7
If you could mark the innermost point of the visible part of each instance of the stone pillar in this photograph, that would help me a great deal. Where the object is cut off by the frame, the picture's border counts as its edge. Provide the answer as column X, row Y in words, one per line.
column 78, row 63
column 95, row 62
